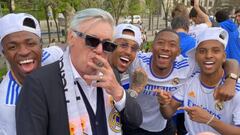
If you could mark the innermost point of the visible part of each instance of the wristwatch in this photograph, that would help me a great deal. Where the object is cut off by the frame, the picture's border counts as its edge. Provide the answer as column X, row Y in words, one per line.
column 132, row 93
column 232, row 76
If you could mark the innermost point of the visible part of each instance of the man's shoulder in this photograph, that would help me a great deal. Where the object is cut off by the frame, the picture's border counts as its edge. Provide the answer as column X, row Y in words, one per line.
column 47, row 70
column 143, row 55
column 181, row 62
column 6, row 80
column 9, row 89
column 51, row 54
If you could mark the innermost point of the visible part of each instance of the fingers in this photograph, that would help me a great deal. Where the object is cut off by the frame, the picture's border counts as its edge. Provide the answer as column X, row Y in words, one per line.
column 101, row 62
column 186, row 108
column 164, row 97
column 102, row 66
column 99, row 77
column 163, row 94
column 222, row 95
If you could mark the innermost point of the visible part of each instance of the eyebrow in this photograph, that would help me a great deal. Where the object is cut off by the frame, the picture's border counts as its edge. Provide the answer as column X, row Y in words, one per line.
column 107, row 39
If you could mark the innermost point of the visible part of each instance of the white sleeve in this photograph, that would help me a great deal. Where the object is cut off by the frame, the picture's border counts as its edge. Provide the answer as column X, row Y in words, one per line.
column 236, row 111
column 121, row 103
column 51, row 54
column 135, row 64
column 193, row 66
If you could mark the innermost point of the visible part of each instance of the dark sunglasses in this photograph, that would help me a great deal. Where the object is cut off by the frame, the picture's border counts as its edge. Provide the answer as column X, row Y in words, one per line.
column 93, row 42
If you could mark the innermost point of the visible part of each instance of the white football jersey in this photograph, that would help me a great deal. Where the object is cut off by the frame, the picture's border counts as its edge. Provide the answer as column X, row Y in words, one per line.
column 182, row 69
column 194, row 93
column 10, row 89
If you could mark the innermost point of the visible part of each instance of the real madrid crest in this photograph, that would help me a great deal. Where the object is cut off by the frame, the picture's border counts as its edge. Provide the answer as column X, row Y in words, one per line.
column 114, row 121
column 219, row 106
column 175, row 81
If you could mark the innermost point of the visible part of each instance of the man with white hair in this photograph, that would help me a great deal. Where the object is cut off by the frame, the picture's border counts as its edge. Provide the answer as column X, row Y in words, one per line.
column 20, row 43
column 78, row 94
column 202, row 112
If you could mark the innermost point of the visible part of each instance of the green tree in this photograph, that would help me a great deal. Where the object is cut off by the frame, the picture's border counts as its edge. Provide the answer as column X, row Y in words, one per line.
column 150, row 5
column 91, row 4
column 134, row 7
column 115, row 7
column 166, row 9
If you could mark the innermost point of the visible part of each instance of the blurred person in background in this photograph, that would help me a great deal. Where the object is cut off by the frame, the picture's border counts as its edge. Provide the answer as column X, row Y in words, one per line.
column 233, row 46
column 237, row 19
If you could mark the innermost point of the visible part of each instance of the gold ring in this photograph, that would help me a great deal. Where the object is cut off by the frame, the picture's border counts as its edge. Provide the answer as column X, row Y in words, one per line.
column 100, row 64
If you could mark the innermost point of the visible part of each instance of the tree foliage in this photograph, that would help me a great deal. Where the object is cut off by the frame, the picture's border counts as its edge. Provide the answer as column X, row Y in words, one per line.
column 134, row 7
column 115, row 7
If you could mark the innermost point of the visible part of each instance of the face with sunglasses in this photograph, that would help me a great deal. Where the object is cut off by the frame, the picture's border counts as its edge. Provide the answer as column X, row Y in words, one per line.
column 124, row 54
column 87, row 42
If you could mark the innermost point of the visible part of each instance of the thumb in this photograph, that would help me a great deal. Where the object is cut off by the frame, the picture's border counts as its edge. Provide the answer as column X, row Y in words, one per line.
column 215, row 94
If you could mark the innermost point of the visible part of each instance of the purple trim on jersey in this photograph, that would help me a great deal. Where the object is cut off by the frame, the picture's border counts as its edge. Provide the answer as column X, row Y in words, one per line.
column 150, row 66
column 181, row 101
column 205, row 86
column 213, row 87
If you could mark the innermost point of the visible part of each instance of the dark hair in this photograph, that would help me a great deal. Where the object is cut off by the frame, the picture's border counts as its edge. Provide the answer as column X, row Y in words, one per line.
column 128, row 30
column 193, row 12
column 180, row 22
column 222, row 15
column 29, row 23
column 237, row 11
column 165, row 30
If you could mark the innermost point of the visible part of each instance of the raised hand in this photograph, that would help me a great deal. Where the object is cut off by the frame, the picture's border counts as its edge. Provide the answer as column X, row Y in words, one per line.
column 164, row 98
column 105, row 78
column 139, row 80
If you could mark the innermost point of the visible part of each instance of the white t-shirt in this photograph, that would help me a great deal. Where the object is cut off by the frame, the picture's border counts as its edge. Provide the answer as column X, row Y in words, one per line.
column 152, row 118
column 195, row 30
column 10, row 89
column 194, row 93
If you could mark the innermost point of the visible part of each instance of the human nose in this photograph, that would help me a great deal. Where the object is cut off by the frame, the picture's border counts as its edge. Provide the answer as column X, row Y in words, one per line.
column 23, row 50
column 209, row 54
column 165, row 47
column 129, row 49
column 99, row 48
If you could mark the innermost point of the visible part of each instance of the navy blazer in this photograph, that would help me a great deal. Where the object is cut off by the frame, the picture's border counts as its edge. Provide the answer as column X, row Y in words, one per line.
column 41, row 108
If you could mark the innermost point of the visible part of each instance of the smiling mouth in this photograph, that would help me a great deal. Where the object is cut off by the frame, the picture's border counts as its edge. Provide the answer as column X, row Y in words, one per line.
column 124, row 60
column 26, row 61
column 27, row 66
column 163, row 56
column 208, row 64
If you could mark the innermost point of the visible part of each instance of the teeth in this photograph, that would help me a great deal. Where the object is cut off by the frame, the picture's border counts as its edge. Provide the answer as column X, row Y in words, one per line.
column 164, row 56
column 208, row 62
column 125, row 59
column 26, row 61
